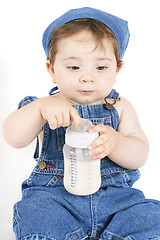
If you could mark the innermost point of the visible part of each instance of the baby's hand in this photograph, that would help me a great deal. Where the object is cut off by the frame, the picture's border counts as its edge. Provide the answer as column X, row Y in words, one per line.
column 58, row 112
column 105, row 144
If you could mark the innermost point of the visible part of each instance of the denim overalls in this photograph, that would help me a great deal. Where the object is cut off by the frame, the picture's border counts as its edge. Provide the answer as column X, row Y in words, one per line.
column 117, row 211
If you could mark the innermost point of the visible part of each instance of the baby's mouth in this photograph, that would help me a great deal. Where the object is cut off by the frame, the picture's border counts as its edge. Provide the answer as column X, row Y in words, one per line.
column 86, row 92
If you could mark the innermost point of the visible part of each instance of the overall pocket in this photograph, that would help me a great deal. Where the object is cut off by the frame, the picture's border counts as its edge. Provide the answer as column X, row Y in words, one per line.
column 47, row 173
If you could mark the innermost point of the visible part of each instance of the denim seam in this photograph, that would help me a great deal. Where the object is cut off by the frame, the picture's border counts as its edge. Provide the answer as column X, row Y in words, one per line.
column 16, row 221
column 31, row 179
column 52, row 182
column 113, row 170
column 112, row 234
column 17, row 217
column 115, row 235
column 44, row 142
column 29, row 237
column 76, row 234
column 126, row 178
column 93, row 216
column 155, row 238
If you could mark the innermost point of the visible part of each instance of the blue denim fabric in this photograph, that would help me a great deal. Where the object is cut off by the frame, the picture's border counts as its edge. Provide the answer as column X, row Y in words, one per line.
column 117, row 211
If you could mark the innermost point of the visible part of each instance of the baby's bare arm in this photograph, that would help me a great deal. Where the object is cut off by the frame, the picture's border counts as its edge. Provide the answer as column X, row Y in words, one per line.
column 133, row 142
column 128, row 147
column 24, row 125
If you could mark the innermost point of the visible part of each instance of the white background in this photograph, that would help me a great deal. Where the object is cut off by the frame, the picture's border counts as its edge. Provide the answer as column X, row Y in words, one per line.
column 22, row 72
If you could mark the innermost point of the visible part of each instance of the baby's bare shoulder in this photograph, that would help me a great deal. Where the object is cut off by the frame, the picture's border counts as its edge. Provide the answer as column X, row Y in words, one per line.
column 124, row 106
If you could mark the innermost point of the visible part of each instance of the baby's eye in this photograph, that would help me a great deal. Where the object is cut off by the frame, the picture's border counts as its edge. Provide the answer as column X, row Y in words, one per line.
column 73, row 67
column 101, row 67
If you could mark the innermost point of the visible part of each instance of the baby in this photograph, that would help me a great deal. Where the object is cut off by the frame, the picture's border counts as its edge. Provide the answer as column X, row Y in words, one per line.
column 84, row 49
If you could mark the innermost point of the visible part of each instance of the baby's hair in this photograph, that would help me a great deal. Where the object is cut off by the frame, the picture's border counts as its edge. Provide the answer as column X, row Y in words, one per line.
column 98, row 30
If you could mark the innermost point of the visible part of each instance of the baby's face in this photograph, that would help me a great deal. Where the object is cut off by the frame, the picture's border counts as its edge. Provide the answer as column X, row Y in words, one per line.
column 84, row 75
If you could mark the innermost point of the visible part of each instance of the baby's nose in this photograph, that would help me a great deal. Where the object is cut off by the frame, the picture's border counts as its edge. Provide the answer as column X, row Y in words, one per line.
column 86, row 77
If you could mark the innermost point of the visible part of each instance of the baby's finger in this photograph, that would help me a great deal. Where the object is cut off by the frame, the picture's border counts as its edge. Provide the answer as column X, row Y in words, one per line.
column 75, row 117
column 97, row 128
column 96, row 151
column 55, row 122
column 59, row 120
column 99, row 156
column 99, row 152
column 52, row 123
column 97, row 142
column 66, row 120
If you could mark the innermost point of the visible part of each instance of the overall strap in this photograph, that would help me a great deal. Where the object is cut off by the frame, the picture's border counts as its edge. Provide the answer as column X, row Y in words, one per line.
column 114, row 95
column 54, row 91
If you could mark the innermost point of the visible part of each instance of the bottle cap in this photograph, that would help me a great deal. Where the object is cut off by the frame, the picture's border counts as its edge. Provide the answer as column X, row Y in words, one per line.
column 80, row 137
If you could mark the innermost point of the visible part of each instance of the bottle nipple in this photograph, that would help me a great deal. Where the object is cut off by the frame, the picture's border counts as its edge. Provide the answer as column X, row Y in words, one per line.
column 79, row 137
column 84, row 126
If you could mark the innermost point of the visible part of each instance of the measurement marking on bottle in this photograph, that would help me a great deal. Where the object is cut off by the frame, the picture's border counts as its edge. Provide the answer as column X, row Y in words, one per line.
column 73, row 170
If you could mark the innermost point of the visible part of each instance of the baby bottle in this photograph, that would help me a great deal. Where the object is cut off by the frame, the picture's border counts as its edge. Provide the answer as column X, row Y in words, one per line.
column 82, row 174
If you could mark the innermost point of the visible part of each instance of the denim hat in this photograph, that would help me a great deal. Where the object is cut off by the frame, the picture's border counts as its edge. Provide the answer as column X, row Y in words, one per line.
column 118, row 26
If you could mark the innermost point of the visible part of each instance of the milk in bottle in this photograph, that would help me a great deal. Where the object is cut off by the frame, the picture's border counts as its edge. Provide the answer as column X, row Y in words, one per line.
column 81, row 172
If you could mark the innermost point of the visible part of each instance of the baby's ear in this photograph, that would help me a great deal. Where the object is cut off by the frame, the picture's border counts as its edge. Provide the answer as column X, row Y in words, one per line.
column 48, row 64
column 119, row 66
column 50, row 69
